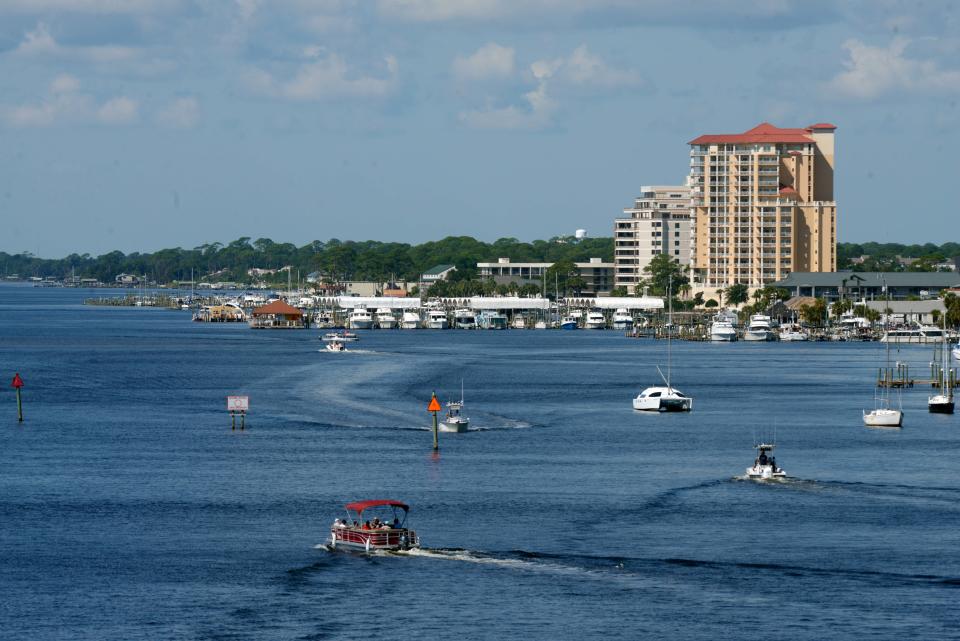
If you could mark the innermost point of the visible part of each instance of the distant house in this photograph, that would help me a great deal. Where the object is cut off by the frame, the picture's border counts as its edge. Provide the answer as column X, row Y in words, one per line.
column 127, row 279
column 436, row 273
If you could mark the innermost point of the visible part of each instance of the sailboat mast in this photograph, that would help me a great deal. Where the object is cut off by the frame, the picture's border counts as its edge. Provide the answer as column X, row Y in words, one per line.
column 669, row 324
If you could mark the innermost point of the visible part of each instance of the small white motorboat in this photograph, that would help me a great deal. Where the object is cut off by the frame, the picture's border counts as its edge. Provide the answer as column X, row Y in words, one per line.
column 765, row 467
column 339, row 336
column 455, row 421
column 335, row 346
column 793, row 333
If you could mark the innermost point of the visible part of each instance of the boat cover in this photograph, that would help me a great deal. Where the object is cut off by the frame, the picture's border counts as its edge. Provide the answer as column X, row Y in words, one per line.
column 360, row 506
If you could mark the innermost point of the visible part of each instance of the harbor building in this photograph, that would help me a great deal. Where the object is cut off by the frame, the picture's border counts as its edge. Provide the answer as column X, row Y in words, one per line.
column 658, row 223
column 597, row 275
column 763, row 204
column 869, row 285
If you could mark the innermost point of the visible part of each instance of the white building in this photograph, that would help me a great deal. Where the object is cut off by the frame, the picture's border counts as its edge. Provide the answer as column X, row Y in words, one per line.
column 658, row 223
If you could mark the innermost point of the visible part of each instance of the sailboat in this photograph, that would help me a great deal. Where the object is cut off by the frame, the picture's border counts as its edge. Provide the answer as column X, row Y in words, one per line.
column 660, row 398
column 942, row 403
column 883, row 415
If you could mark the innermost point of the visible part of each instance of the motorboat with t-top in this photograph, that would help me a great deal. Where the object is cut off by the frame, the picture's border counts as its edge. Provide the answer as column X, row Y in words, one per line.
column 455, row 421
column 374, row 535
column 664, row 398
column 759, row 329
column 764, row 466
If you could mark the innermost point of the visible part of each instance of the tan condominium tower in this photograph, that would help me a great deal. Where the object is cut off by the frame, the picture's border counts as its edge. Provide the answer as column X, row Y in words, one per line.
column 763, row 204
column 658, row 223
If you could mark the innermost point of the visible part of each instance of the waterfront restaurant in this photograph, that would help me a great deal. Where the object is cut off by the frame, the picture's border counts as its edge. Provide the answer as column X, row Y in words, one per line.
column 277, row 315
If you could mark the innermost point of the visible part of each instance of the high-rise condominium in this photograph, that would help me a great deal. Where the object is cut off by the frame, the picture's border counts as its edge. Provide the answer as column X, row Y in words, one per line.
column 763, row 204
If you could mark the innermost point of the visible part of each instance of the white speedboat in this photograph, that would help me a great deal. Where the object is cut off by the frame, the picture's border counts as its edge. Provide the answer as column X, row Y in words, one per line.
column 411, row 320
column 360, row 318
column 664, row 398
column 335, row 346
column 765, row 467
column 793, row 333
column 455, row 421
column 568, row 322
column 386, row 319
column 722, row 330
column 622, row 320
column 339, row 336
column 464, row 319
column 759, row 329
column 595, row 320
column 437, row 319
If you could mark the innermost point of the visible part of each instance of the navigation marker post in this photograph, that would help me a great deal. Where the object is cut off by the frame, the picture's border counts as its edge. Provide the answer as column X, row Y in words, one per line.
column 435, row 407
column 17, row 384
column 238, row 405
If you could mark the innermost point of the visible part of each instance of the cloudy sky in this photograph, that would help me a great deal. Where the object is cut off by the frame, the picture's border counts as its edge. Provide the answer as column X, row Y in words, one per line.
column 141, row 124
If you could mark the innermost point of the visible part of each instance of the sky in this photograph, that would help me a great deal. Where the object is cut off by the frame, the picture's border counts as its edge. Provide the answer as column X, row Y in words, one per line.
column 135, row 125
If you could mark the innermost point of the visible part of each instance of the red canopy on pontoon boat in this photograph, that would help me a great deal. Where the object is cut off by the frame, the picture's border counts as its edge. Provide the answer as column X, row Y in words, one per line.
column 360, row 506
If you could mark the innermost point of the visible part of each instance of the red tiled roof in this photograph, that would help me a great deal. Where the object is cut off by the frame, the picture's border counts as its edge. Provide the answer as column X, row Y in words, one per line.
column 762, row 133
column 277, row 307
column 822, row 125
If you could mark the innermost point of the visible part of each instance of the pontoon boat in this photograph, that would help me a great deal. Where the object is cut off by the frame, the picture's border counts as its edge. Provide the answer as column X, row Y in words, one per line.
column 391, row 535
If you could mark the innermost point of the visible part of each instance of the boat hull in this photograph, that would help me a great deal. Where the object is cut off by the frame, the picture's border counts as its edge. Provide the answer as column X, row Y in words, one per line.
column 723, row 337
column 883, row 418
column 392, row 540
column 940, row 405
column 765, row 473
column 568, row 326
column 357, row 323
column 659, row 404
column 454, row 426
column 755, row 335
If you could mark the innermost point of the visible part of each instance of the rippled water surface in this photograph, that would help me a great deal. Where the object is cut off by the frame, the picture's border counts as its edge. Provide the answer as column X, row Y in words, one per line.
column 129, row 510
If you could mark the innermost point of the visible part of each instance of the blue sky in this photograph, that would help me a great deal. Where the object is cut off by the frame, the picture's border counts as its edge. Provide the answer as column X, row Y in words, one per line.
column 142, row 124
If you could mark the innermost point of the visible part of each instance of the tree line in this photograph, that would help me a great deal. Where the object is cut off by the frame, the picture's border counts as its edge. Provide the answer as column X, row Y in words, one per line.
column 337, row 260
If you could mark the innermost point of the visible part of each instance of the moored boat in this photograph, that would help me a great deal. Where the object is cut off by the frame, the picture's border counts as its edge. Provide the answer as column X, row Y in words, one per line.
column 360, row 318
column 386, row 319
column 464, row 319
column 390, row 535
column 595, row 320
column 665, row 398
column 622, row 320
column 568, row 322
column 942, row 403
column 759, row 329
column 411, row 320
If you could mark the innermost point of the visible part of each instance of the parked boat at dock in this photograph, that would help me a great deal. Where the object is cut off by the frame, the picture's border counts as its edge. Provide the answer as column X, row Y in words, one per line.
column 722, row 330
column 793, row 333
column 437, row 319
column 917, row 334
column 360, row 318
column 491, row 319
column 464, row 319
column 389, row 535
column 386, row 319
column 622, row 320
column 568, row 322
column 759, row 329
column 411, row 320
column 595, row 320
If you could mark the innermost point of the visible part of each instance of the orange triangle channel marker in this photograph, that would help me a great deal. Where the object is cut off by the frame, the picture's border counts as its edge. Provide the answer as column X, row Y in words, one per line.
column 434, row 404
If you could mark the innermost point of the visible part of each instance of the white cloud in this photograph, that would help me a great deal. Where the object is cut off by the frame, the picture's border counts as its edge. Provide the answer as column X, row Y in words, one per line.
column 41, row 43
column 872, row 71
column 89, row 6
column 324, row 79
column 489, row 61
column 182, row 113
column 119, row 111
column 65, row 102
column 579, row 71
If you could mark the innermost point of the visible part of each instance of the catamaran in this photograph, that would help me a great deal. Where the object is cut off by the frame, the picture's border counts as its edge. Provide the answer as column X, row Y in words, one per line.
column 659, row 398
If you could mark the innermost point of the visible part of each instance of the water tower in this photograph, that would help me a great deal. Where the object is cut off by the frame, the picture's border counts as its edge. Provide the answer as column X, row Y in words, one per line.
column 580, row 234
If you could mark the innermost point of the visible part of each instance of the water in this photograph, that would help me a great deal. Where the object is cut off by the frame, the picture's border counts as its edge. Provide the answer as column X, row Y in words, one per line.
column 129, row 510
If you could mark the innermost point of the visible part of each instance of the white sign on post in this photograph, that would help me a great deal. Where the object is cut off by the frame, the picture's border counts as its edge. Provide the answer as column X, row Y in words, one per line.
column 238, row 403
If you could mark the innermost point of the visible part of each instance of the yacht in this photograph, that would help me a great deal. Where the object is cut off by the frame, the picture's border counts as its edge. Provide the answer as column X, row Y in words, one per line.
column 491, row 319
column 519, row 322
column 793, row 333
column 360, row 318
column 917, row 334
column 437, row 319
column 759, row 329
column 595, row 320
column 386, row 319
column 765, row 467
column 664, row 398
column 411, row 320
column 622, row 320
column 722, row 330
column 464, row 319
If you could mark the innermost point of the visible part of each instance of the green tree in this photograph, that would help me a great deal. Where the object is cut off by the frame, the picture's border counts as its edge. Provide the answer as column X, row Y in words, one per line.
column 661, row 269
column 711, row 303
column 737, row 294
column 698, row 299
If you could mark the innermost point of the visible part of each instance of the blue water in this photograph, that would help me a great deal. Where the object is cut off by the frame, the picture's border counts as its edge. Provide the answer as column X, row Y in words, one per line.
column 129, row 510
